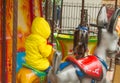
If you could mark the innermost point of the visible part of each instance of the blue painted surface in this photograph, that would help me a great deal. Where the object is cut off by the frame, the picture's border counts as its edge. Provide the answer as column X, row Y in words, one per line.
column 20, row 60
column 63, row 65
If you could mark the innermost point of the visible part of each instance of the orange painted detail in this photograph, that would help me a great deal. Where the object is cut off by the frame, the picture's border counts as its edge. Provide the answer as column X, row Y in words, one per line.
column 9, row 29
column 118, row 26
column 63, row 49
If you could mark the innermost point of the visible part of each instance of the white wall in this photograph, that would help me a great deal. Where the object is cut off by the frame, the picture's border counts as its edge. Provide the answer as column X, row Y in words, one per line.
column 86, row 1
column 71, row 16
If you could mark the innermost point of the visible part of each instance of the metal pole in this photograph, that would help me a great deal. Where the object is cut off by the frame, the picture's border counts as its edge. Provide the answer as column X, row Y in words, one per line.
column 46, row 9
column 82, row 13
column 14, row 44
column 31, row 10
column 3, row 41
column 53, row 19
column 76, row 33
column 116, row 4
column 61, row 13
column 41, row 13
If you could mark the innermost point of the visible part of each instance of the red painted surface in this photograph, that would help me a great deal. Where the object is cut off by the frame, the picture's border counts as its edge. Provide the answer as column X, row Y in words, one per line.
column 90, row 65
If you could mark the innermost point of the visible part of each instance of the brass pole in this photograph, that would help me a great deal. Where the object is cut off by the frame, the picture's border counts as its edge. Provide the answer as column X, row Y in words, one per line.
column 3, row 41
column 76, row 33
column 61, row 13
column 82, row 13
column 53, row 19
column 46, row 9
column 116, row 4
column 14, row 43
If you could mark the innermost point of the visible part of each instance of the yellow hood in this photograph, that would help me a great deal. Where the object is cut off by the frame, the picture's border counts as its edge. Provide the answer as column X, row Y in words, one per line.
column 41, row 27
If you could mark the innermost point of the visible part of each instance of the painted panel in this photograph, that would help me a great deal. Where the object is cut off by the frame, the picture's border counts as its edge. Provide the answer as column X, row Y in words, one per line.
column 9, row 25
column 23, row 30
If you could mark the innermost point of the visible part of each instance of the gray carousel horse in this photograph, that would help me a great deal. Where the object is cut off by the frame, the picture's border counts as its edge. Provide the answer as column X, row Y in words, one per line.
column 85, row 70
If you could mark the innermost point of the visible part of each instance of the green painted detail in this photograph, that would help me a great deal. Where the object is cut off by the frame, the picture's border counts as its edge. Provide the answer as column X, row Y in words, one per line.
column 63, row 36
column 92, row 39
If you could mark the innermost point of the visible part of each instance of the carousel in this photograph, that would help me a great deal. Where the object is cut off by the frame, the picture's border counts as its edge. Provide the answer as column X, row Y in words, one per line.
column 63, row 55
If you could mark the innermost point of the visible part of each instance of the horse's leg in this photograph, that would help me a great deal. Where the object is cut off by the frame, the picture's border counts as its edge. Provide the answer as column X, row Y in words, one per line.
column 26, row 75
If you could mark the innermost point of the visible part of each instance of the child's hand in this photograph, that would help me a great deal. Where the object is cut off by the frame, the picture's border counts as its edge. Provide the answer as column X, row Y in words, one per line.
column 50, row 58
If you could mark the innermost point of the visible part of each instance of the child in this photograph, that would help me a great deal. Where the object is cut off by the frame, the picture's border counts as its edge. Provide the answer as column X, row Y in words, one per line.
column 38, row 51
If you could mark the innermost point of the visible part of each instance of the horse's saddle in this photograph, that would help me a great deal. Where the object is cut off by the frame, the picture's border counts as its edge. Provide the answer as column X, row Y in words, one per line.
column 90, row 66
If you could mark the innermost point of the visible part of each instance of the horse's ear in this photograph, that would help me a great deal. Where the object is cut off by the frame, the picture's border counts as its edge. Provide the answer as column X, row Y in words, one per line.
column 102, row 18
column 56, row 61
column 113, row 21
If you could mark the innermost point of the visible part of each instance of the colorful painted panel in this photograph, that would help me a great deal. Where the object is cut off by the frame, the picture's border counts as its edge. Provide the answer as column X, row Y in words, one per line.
column 92, row 44
column 9, row 24
column 64, row 44
column 25, row 16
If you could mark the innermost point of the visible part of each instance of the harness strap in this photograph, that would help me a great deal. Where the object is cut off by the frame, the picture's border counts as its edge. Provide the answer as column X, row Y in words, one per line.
column 103, row 62
column 78, row 71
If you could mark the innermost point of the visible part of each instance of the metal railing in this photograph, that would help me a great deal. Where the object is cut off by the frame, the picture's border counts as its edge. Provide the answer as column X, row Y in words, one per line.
column 71, row 14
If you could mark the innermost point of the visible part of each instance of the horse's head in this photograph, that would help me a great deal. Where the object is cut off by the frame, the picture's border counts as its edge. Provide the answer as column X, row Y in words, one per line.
column 114, row 29
column 52, row 74
column 107, row 34
column 110, row 35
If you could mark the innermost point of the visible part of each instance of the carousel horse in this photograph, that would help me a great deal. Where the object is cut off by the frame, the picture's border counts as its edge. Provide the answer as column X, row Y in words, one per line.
column 92, row 68
column 28, row 74
column 88, row 69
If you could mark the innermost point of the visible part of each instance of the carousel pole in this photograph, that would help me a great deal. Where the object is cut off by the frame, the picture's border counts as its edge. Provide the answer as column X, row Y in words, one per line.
column 41, row 13
column 3, row 41
column 76, row 33
column 61, row 10
column 46, row 9
column 53, row 19
column 31, row 10
column 14, row 44
column 116, row 1
column 82, row 13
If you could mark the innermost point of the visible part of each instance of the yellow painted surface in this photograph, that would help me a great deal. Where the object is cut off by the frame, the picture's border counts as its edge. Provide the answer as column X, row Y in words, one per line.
column 91, row 47
column 26, row 75
column 116, row 77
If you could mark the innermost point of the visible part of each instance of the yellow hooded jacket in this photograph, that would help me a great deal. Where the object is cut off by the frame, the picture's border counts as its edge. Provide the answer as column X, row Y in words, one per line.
column 37, row 49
